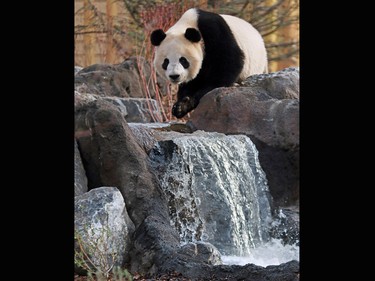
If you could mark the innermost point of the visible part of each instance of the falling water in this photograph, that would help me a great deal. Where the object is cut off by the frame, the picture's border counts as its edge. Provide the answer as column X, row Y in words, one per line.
column 273, row 252
column 217, row 190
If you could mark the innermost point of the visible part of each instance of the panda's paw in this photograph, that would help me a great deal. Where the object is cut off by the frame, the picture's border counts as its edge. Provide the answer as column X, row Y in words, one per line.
column 178, row 111
column 183, row 106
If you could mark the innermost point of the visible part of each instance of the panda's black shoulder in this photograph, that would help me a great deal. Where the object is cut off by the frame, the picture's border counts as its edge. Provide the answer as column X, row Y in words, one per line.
column 208, row 18
column 213, row 27
column 216, row 33
column 223, row 59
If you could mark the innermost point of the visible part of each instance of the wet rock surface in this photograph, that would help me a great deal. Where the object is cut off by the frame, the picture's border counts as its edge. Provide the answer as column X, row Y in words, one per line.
column 266, row 109
column 117, row 154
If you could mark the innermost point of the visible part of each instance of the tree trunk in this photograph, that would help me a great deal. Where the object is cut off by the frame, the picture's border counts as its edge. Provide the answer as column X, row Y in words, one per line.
column 288, row 34
column 111, row 9
column 272, row 38
column 88, row 39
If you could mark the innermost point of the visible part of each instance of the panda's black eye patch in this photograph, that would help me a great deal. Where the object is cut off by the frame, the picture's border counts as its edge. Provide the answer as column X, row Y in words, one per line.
column 165, row 64
column 184, row 62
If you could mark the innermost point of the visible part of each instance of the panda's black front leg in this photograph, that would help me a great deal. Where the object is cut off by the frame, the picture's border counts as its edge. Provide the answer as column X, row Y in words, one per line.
column 187, row 99
column 184, row 106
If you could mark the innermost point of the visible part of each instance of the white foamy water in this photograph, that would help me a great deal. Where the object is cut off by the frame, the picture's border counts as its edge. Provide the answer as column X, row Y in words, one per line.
column 216, row 189
column 217, row 192
column 270, row 253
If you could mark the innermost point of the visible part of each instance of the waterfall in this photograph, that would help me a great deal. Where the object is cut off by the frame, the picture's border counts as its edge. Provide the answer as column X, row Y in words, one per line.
column 216, row 188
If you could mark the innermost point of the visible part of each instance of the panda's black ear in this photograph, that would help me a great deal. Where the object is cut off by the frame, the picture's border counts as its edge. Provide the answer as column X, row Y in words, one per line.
column 157, row 36
column 192, row 35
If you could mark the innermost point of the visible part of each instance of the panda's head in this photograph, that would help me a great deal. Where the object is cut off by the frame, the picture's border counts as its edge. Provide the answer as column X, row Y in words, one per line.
column 178, row 55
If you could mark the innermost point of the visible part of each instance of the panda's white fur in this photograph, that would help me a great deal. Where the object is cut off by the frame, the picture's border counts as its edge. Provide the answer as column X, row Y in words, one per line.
column 251, row 43
column 188, row 19
column 235, row 54
column 176, row 45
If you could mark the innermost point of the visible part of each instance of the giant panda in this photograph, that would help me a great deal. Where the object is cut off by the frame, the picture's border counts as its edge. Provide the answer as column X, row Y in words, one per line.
column 205, row 50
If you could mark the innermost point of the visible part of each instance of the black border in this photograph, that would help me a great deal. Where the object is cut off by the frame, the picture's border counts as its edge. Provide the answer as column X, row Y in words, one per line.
column 38, row 148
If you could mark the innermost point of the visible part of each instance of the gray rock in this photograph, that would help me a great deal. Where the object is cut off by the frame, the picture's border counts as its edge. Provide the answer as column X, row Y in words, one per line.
column 203, row 176
column 155, row 243
column 196, row 271
column 77, row 69
column 265, row 108
column 114, row 157
column 283, row 84
column 245, row 110
column 205, row 252
column 286, row 225
column 137, row 110
column 103, row 226
column 120, row 80
column 80, row 179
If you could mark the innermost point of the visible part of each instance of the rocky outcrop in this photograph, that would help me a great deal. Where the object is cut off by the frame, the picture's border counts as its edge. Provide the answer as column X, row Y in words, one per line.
column 126, row 79
column 197, row 272
column 285, row 226
column 243, row 110
column 205, row 176
column 80, row 179
column 265, row 108
column 115, row 157
column 283, row 84
column 137, row 110
column 102, row 227
column 122, row 85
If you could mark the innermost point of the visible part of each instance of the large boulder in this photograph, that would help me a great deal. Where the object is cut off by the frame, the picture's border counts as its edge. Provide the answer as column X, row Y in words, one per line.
column 126, row 79
column 138, row 110
column 80, row 179
column 265, row 108
column 102, row 228
column 113, row 157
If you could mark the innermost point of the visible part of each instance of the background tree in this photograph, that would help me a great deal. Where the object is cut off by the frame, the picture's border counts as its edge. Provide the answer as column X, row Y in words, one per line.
column 109, row 31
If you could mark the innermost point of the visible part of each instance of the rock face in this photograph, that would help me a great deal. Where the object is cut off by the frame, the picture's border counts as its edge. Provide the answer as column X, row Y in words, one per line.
column 265, row 108
column 244, row 111
column 216, row 189
column 77, row 69
column 116, row 158
column 80, row 179
column 104, row 227
column 137, row 110
column 283, row 84
column 207, row 253
column 120, row 80
column 122, row 85
column 286, row 225
column 284, row 272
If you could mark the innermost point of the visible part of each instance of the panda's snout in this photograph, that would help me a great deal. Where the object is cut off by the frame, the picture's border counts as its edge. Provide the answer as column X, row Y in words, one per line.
column 174, row 77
